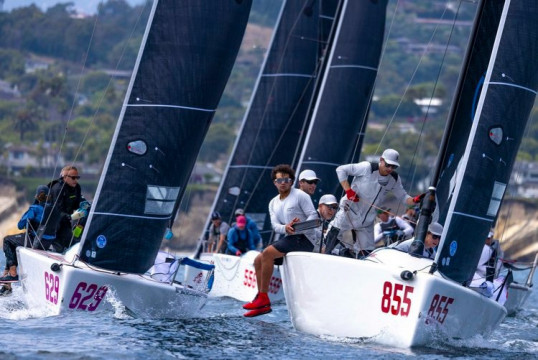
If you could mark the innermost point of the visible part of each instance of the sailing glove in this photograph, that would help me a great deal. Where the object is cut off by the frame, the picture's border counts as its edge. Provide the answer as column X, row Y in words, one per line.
column 419, row 198
column 352, row 195
column 80, row 213
column 238, row 253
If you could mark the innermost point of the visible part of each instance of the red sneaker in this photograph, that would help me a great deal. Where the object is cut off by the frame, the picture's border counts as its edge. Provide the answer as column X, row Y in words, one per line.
column 261, row 300
column 258, row 312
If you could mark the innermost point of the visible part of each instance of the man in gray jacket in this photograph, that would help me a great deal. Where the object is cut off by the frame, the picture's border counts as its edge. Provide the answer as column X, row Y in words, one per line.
column 371, row 184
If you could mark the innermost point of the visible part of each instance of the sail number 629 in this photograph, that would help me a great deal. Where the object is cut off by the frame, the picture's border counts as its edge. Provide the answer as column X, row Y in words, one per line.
column 396, row 299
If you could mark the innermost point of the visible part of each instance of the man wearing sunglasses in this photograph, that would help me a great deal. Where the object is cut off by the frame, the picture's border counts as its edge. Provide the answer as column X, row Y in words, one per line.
column 308, row 181
column 433, row 236
column 371, row 185
column 289, row 207
column 68, row 205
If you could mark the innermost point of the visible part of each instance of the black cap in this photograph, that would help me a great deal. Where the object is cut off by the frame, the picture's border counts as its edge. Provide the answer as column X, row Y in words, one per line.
column 215, row 215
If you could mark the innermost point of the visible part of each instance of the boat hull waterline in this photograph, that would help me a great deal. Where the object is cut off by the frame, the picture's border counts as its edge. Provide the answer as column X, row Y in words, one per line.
column 55, row 284
column 348, row 298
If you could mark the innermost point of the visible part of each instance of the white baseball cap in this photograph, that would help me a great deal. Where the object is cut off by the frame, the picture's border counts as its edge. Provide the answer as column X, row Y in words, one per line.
column 391, row 157
column 436, row 229
column 328, row 199
column 308, row 175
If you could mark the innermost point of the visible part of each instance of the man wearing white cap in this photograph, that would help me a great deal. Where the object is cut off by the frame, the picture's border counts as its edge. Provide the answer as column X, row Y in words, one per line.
column 308, row 181
column 371, row 184
column 328, row 205
column 433, row 236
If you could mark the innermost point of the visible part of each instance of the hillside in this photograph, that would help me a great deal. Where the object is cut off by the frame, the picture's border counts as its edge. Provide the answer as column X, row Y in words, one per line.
column 517, row 229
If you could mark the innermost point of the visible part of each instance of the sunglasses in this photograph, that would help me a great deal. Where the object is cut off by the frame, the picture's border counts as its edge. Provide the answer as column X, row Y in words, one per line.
column 332, row 207
column 310, row 182
column 283, row 180
column 73, row 177
column 435, row 237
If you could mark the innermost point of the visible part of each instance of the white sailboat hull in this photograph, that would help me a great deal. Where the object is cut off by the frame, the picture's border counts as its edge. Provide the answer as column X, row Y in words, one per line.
column 235, row 277
column 76, row 287
column 335, row 296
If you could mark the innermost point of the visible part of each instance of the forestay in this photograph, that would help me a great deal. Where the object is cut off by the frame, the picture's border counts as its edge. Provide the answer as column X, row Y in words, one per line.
column 189, row 48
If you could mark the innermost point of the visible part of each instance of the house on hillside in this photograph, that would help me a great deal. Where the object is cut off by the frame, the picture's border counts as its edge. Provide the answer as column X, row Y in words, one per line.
column 20, row 158
column 524, row 180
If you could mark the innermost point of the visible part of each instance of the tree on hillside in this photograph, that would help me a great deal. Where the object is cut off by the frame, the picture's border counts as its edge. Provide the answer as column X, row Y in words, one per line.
column 27, row 118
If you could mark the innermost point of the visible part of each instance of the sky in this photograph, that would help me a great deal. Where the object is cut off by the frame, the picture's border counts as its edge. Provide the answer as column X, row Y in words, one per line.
column 85, row 6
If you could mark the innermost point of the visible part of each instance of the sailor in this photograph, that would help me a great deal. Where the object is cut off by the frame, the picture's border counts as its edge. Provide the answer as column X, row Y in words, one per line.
column 30, row 221
column 391, row 228
column 252, row 226
column 328, row 205
column 288, row 208
column 218, row 230
column 369, row 189
column 240, row 238
column 433, row 236
column 308, row 181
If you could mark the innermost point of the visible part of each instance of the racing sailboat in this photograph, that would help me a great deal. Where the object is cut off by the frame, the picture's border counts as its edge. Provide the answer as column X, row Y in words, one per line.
column 403, row 299
column 187, row 53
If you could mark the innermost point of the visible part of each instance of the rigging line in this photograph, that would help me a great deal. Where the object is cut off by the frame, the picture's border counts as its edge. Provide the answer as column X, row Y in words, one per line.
column 434, row 87
column 264, row 117
column 100, row 100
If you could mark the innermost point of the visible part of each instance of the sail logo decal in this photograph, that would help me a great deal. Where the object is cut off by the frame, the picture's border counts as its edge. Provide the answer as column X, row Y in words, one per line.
column 101, row 241
column 87, row 297
column 160, row 200
column 453, row 248
column 396, row 299
column 52, row 288
column 250, row 281
column 439, row 308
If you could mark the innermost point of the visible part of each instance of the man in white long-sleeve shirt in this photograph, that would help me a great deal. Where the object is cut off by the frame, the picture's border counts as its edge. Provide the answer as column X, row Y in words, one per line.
column 391, row 228
column 371, row 184
column 289, row 207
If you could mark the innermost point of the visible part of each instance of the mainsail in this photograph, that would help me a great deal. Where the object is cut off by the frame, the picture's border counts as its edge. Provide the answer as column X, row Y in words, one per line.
column 275, row 120
column 495, row 95
column 340, row 110
column 186, row 57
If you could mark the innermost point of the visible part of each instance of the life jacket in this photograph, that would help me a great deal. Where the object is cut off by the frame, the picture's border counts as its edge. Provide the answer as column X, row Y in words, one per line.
column 242, row 244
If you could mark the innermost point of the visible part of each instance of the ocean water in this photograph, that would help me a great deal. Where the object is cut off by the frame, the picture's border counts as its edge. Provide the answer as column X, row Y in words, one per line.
column 221, row 332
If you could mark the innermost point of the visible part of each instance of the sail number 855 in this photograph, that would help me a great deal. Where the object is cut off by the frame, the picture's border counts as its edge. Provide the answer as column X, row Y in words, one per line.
column 396, row 299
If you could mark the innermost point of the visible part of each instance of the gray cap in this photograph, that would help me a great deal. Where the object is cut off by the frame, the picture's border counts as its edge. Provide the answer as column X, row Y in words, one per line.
column 239, row 212
column 436, row 229
column 391, row 157
column 328, row 199
column 308, row 175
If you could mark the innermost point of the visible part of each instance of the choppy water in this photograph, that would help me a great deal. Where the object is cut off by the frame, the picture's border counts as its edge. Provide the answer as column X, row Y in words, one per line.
column 221, row 332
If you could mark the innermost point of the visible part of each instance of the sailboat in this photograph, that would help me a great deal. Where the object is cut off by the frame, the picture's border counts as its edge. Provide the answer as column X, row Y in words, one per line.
column 518, row 293
column 187, row 53
column 351, row 55
column 402, row 299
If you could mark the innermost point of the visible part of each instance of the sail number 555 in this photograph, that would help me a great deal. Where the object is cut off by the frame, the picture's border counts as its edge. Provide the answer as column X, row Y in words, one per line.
column 396, row 299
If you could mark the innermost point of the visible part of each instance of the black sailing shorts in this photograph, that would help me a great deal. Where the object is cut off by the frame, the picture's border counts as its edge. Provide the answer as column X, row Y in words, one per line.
column 291, row 243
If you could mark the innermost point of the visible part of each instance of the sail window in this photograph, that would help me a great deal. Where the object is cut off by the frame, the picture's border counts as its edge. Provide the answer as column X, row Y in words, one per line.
column 496, row 198
column 496, row 135
column 137, row 147
column 160, row 200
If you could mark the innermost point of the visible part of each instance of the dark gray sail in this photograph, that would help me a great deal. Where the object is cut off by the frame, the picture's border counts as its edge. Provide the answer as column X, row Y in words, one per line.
column 492, row 105
column 340, row 110
column 275, row 120
column 186, row 57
